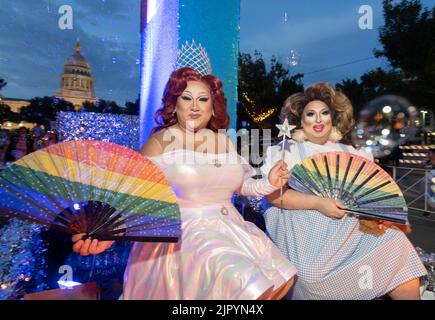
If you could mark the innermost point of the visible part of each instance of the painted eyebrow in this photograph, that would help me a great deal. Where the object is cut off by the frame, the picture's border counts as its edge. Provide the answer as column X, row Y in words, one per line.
column 201, row 93
column 312, row 110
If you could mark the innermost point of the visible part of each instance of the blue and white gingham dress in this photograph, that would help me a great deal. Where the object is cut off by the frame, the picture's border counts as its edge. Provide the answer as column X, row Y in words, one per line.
column 334, row 259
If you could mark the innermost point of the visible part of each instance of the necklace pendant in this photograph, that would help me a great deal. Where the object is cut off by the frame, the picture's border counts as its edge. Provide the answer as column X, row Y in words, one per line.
column 217, row 164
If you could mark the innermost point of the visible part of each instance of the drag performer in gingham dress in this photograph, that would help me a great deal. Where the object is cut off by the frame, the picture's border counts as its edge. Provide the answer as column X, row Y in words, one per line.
column 334, row 257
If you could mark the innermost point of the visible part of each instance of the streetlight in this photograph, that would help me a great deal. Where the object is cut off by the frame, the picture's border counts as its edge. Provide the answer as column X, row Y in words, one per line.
column 424, row 116
column 385, row 132
column 386, row 109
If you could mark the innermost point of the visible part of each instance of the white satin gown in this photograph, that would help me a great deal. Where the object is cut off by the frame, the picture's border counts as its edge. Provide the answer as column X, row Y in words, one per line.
column 220, row 256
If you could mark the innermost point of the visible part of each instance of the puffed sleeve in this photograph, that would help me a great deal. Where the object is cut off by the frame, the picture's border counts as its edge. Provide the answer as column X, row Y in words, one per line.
column 251, row 186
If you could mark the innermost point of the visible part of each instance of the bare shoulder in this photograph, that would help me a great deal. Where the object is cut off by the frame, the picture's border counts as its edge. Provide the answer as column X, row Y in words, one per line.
column 153, row 147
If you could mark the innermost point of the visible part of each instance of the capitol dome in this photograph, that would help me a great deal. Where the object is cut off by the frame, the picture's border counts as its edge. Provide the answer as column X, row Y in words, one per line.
column 77, row 59
column 77, row 63
column 77, row 83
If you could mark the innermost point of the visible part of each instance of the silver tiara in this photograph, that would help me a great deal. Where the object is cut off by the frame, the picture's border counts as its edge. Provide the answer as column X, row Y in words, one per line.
column 195, row 57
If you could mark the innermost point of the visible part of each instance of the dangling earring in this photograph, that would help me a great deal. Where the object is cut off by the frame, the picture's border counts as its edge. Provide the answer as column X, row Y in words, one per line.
column 299, row 135
column 335, row 135
column 212, row 112
column 174, row 112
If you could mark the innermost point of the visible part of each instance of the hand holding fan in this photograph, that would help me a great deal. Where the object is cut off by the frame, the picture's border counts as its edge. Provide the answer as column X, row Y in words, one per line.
column 104, row 190
column 363, row 186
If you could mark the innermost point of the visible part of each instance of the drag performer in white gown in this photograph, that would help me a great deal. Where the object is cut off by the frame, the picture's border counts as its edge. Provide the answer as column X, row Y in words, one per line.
column 219, row 256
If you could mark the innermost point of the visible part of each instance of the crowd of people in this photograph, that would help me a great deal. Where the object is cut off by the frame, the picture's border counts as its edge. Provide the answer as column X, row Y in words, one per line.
column 15, row 144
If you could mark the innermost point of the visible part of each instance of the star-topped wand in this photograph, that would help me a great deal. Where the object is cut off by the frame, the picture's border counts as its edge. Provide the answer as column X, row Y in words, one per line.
column 284, row 131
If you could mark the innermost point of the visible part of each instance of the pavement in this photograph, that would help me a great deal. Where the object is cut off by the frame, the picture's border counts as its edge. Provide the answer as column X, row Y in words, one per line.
column 423, row 230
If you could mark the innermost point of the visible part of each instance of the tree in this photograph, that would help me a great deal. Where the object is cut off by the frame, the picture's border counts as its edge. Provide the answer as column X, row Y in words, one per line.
column 261, row 92
column 354, row 90
column 408, row 40
column 2, row 83
column 132, row 107
column 90, row 107
column 42, row 111
column 6, row 114
column 103, row 106
column 373, row 84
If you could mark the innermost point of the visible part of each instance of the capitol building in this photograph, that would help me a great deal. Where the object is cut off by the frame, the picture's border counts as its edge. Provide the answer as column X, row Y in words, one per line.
column 76, row 85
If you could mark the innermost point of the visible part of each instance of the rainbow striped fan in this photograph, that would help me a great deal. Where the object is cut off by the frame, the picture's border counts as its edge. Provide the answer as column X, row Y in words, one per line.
column 104, row 190
column 364, row 187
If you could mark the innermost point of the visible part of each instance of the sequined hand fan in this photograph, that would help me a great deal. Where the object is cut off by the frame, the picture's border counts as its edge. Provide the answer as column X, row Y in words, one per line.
column 363, row 186
column 104, row 190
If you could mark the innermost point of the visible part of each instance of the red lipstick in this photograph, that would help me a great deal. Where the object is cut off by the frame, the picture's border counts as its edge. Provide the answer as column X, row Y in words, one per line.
column 318, row 127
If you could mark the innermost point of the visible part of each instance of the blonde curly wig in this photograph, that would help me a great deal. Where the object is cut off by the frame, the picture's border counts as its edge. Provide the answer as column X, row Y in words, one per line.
column 339, row 105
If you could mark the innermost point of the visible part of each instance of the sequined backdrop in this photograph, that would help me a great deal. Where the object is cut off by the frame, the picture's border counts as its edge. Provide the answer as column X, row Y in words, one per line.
column 119, row 129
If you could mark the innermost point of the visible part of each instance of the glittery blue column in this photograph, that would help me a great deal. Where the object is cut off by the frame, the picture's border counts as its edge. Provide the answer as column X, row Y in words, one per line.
column 159, row 50
column 166, row 26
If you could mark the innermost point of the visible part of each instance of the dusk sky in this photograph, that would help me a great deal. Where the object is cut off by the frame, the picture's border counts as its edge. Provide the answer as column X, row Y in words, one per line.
column 33, row 49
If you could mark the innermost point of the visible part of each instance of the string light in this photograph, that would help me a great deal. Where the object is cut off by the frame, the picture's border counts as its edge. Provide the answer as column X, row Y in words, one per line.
column 27, row 279
column 263, row 116
column 258, row 118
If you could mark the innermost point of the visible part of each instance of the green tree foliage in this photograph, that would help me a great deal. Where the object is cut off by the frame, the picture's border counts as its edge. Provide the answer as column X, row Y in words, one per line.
column 408, row 38
column 132, row 107
column 260, row 89
column 6, row 114
column 43, row 110
column 408, row 41
column 112, row 107
column 2, row 83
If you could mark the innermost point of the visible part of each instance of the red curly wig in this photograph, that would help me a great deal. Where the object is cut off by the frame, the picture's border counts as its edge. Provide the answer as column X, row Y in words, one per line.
column 177, row 83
